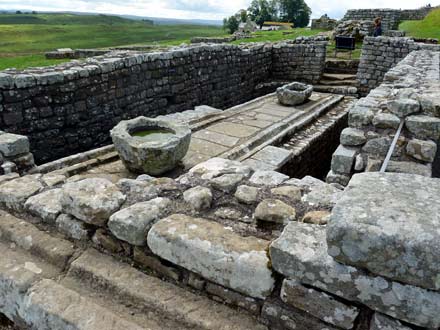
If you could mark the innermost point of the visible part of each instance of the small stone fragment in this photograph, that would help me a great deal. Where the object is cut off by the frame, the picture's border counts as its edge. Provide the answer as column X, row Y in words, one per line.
column 227, row 182
column 198, row 197
column 316, row 217
column 247, row 194
column 422, row 150
column 291, row 192
column 273, row 210
column 268, row 178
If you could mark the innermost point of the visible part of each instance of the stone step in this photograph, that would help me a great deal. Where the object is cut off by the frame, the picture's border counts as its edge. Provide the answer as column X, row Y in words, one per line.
column 339, row 89
column 338, row 82
column 32, row 298
column 339, row 76
column 47, row 283
column 124, row 283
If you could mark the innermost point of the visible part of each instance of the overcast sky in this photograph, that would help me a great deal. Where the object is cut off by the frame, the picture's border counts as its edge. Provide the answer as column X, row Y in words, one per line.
column 196, row 9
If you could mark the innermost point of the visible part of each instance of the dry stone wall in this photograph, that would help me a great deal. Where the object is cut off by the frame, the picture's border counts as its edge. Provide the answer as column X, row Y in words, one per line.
column 379, row 55
column 71, row 107
column 410, row 93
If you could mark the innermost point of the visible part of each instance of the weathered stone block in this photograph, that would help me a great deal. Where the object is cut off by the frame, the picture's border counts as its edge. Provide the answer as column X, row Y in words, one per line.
column 360, row 116
column 14, row 193
column 424, row 127
column 91, row 200
column 404, row 107
column 46, row 205
column 247, row 194
column 13, row 144
column 215, row 167
column 318, row 304
column 353, row 137
column 72, row 227
column 343, row 160
column 386, row 120
column 382, row 322
column 389, row 229
column 215, row 253
column 301, row 253
column 198, row 197
column 273, row 210
column 268, row 178
column 422, row 150
column 133, row 223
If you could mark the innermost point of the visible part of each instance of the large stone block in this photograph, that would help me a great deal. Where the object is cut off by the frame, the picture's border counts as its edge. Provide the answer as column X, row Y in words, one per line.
column 46, row 205
column 424, row 127
column 301, row 253
column 91, row 200
column 422, row 150
column 389, row 230
column 343, row 160
column 13, row 144
column 14, row 193
column 318, row 304
column 214, row 252
column 133, row 223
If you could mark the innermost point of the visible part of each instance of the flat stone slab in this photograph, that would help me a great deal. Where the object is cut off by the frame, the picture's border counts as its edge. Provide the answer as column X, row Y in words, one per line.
column 214, row 137
column 234, row 130
column 392, row 229
column 14, row 193
column 273, row 156
column 301, row 253
column 214, row 252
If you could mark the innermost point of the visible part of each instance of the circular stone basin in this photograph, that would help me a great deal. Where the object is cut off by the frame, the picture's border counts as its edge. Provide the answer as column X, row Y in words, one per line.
column 294, row 93
column 150, row 146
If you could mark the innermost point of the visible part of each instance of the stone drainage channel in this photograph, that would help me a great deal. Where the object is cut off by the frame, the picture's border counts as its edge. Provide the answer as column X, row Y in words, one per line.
column 263, row 134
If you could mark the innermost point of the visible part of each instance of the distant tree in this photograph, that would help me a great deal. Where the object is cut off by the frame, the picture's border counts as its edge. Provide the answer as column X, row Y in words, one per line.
column 231, row 24
column 34, row 12
column 261, row 11
column 295, row 11
column 243, row 16
column 18, row 12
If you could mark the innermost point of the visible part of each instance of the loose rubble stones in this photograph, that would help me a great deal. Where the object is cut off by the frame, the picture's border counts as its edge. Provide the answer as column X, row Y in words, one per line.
column 91, row 200
column 316, row 217
column 389, row 230
column 301, row 253
column 198, row 197
column 227, row 182
column 215, row 253
column 273, row 210
column 14, row 193
column 215, row 167
column 137, row 190
column 133, row 223
column 72, row 227
column 46, row 205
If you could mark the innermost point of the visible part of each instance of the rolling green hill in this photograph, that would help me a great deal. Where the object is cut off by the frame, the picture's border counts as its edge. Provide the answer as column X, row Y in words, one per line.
column 24, row 38
column 427, row 28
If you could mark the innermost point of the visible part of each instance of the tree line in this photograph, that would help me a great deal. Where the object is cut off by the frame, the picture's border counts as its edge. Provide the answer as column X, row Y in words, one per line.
column 260, row 11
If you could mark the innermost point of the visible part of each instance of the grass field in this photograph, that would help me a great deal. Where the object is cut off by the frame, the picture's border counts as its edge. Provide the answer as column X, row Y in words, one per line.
column 273, row 36
column 24, row 38
column 427, row 28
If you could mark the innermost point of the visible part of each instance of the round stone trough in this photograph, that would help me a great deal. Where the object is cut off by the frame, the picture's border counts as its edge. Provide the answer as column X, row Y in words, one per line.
column 151, row 146
column 294, row 93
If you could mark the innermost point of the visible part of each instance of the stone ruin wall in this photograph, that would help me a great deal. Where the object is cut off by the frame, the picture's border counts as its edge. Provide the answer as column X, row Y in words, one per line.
column 381, row 54
column 390, row 17
column 410, row 92
column 71, row 107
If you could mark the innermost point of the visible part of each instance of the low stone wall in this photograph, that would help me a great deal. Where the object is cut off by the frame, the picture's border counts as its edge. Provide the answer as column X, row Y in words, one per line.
column 213, row 40
column 410, row 93
column 71, row 107
column 379, row 55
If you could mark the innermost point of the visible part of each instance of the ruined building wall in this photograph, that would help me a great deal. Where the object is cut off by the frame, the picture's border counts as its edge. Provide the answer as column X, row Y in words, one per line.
column 71, row 107
column 381, row 54
column 390, row 17
column 410, row 93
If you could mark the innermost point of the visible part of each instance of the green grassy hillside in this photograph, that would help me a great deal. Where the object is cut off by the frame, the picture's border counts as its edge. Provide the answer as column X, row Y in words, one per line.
column 25, row 38
column 427, row 28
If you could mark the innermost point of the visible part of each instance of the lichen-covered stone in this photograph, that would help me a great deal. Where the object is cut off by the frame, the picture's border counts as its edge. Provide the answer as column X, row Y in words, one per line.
column 215, row 167
column 214, row 252
column 360, row 116
column 72, row 227
column 13, row 144
column 137, row 191
column 337, row 178
column 378, row 146
column 389, row 230
column 386, row 120
column 133, row 223
column 290, row 192
column 273, row 210
column 91, row 200
column 322, row 194
column 14, row 193
column 343, row 160
column 318, row 304
column 247, row 194
column 198, row 197
column 403, row 107
column 268, row 178
column 353, row 137
column 383, row 322
column 46, row 205
column 409, row 168
column 424, row 127
column 301, row 253
column 227, row 182
column 422, row 150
